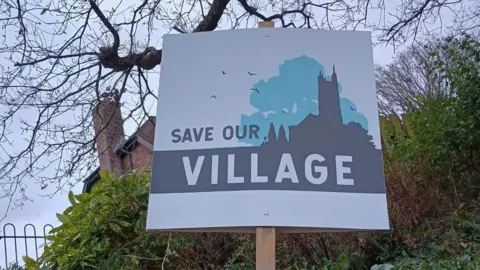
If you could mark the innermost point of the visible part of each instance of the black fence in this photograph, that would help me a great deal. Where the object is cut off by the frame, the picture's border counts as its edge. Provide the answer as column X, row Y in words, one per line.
column 12, row 255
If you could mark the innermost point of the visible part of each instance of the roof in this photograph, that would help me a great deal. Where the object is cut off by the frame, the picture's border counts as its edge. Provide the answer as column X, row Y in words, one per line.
column 91, row 180
column 144, row 135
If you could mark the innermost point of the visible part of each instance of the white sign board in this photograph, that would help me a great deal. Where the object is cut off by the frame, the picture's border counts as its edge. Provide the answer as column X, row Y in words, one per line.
column 267, row 127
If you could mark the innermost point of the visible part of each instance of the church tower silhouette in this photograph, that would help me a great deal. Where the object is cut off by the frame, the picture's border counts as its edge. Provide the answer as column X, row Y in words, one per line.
column 329, row 99
column 312, row 128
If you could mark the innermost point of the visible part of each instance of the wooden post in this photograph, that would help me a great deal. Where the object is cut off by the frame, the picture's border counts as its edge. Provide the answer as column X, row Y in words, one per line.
column 266, row 24
column 265, row 249
column 266, row 242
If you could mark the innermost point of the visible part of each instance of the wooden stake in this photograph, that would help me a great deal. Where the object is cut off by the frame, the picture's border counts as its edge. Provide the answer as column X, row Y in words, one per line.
column 266, row 24
column 266, row 242
column 265, row 249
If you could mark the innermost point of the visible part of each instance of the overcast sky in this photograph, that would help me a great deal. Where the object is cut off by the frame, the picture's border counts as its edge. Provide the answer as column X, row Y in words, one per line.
column 42, row 210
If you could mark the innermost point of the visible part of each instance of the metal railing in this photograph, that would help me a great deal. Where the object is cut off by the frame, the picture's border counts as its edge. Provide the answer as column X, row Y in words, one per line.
column 14, row 248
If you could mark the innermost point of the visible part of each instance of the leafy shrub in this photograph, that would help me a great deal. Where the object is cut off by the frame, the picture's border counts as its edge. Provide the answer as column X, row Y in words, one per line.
column 89, row 239
column 13, row 266
column 445, row 148
column 106, row 229
column 434, row 174
column 456, row 248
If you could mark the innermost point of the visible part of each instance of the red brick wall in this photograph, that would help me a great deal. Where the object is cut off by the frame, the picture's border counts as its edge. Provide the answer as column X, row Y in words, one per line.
column 141, row 158
column 147, row 130
column 108, row 125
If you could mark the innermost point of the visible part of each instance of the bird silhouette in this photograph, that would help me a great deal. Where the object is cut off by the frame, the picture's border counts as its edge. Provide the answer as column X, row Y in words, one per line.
column 267, row 36
column 213, row 96
column 255, row 89
column 284, row 110
column 353, row 109
column 251, row 74
column 223, row 72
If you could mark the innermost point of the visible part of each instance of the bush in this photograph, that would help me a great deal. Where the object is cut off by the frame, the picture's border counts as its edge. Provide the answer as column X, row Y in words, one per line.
column 455, row 248
column 445, row 147
column 13, row 266
column 106, row 229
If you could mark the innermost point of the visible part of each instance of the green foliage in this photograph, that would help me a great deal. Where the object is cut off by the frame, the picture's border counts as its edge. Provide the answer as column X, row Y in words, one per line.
column 447, row 127
column 456, row 248
column 13, row 266
column 106, row 229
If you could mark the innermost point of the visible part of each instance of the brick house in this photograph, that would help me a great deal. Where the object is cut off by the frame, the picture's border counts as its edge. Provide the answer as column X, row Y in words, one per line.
column 115, row 152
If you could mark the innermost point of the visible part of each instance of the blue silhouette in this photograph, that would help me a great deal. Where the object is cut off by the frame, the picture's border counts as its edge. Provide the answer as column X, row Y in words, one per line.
column 287, row 99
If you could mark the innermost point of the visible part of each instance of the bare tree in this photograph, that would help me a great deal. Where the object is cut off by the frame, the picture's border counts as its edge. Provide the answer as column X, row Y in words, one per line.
column 413, row 18
column 414, row 76
column 59, row 56
column 402, row 83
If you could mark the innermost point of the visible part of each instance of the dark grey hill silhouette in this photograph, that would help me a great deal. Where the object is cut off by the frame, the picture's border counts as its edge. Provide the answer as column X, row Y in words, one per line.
column 323, row 134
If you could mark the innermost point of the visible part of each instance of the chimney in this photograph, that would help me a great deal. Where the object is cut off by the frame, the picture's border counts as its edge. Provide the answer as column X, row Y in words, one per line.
column 108, row 124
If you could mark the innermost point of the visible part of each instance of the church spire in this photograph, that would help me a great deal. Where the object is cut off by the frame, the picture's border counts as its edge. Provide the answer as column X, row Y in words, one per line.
column 334, row 75
column 271, row 133
column 282, row 134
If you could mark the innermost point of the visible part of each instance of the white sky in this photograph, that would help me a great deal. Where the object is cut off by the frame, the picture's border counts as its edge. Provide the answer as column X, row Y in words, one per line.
column 42, row 210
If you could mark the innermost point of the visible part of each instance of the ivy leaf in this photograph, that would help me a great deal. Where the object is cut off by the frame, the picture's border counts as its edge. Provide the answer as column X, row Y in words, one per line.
column 71, row 197
column 82, row 197
column 63, row 218
column 50, row 237
column 168, row 251
column 115, row 227
column 123, row 223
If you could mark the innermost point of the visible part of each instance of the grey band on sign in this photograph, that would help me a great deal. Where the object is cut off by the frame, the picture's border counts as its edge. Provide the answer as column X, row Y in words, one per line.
column 267, row 168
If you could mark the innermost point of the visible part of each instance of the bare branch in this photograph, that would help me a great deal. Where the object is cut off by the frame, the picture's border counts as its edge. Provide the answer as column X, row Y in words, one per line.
column 410, row 79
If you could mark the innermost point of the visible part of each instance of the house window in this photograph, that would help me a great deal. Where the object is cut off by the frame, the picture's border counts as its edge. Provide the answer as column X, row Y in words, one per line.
column 130, row 161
